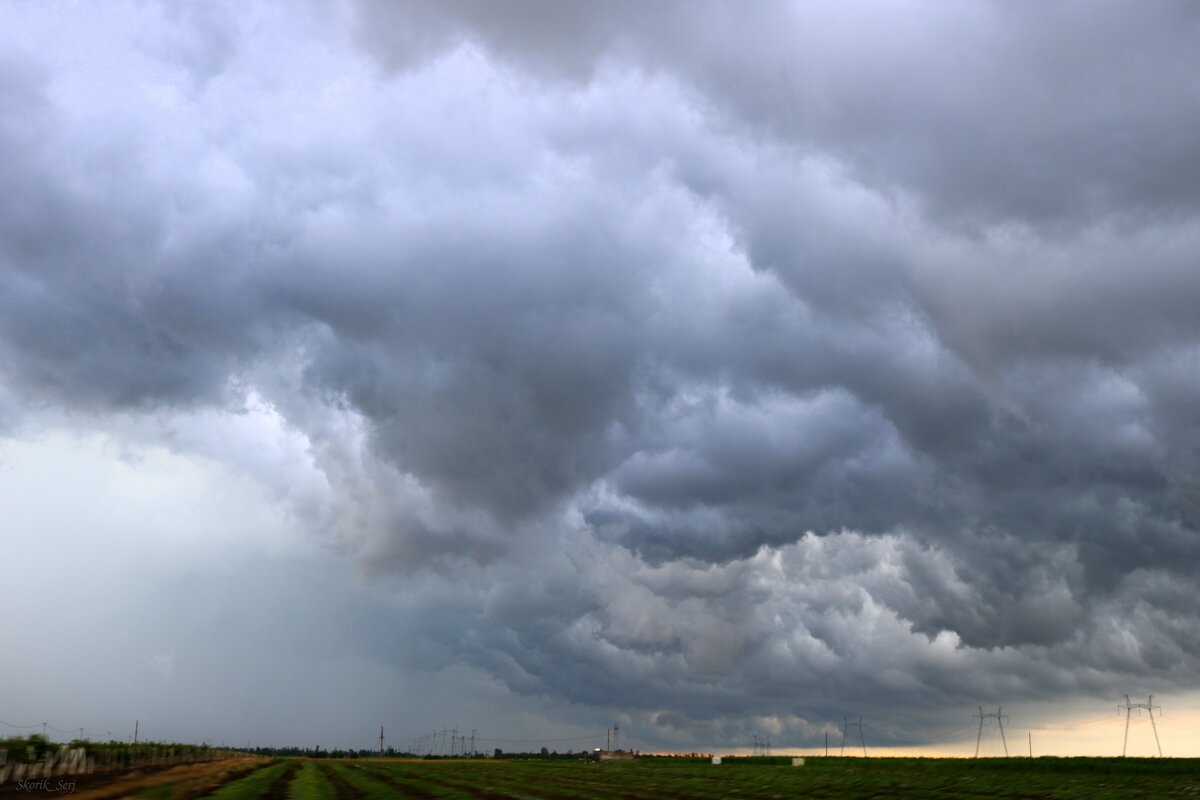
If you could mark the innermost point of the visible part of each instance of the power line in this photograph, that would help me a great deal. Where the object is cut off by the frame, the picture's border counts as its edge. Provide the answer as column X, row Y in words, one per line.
column 1178, row 724
column 959, row 733
column 542, row 741
column 1089, row 723
column 20, row 727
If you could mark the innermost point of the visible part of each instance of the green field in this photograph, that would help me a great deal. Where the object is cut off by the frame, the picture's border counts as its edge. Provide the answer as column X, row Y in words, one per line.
column 297, row 779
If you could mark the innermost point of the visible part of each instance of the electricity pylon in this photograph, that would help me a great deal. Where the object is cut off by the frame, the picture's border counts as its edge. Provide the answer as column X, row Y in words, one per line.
column 999, row 717
column 1128, row 709
column 846, row 725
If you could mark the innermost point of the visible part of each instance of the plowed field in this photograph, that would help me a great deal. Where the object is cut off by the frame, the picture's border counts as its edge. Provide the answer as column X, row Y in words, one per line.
column 299, row 779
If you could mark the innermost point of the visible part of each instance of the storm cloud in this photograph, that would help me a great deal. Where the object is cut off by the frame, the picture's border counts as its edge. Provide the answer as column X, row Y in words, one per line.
column 690, row 361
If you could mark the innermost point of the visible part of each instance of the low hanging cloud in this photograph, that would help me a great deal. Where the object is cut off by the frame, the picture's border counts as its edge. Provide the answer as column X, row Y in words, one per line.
column 726, row 354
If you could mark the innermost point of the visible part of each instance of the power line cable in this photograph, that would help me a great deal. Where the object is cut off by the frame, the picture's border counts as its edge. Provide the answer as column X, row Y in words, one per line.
column 1177, row 721
column 20, row 727
column 1091, row 723
column 534, row 741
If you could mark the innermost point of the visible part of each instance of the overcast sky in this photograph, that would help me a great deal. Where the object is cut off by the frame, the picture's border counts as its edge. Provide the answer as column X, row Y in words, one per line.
column 716, row 369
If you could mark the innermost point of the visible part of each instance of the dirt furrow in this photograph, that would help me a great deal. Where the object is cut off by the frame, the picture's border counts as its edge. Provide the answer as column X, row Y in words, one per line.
column 343, row 789
column 277, row 789
column 405, row 789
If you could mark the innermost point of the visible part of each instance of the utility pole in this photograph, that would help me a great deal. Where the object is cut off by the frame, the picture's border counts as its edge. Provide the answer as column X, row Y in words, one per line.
column 43, row 730
column 135, row 730
column 846, row 725
column 1149, row 706
column 999, row 717
column 380, row 741
column 1030, row 735
column 616, row 733
column 472, row 741
column 827, row 741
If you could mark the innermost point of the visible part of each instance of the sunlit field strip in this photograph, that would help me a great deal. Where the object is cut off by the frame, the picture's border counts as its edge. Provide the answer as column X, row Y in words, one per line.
column 310, row 784
column 166, row 784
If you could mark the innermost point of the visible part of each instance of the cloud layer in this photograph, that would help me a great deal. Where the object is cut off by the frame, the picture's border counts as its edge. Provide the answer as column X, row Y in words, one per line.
column 723, row 355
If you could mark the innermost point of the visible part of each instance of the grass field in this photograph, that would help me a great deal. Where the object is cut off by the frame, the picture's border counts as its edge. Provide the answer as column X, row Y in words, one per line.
column 297, row 779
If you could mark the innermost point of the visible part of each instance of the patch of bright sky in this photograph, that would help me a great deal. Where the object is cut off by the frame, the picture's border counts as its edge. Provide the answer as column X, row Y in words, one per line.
column 146, row 584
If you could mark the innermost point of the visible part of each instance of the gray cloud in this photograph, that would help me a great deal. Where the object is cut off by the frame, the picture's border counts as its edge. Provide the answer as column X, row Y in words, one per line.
column 787, row 347
column 986, row 112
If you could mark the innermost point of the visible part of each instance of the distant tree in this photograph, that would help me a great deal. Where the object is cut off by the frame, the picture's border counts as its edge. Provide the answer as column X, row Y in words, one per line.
column 498, row 753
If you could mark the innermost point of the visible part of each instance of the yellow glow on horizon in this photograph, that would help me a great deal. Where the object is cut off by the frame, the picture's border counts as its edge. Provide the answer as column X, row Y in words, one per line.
column 1096, row 734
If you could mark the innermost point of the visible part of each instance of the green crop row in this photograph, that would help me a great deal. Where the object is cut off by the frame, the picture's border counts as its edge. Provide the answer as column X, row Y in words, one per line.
column 253, row 785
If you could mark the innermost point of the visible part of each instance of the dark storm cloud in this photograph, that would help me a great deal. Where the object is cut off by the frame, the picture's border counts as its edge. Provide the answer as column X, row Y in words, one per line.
column 985, row 111
column 656, row 294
